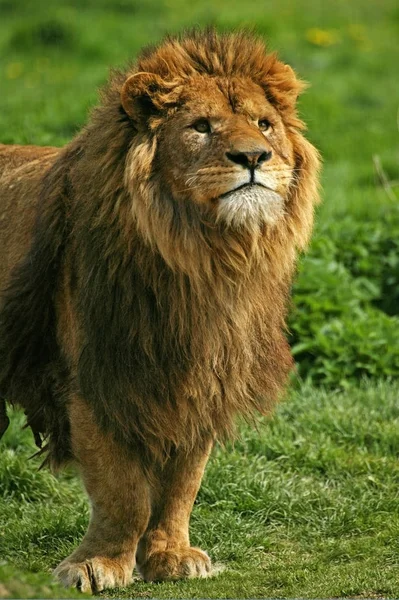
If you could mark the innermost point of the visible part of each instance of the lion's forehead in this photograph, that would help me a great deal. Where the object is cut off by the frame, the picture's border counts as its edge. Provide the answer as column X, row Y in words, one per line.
column 224, row 96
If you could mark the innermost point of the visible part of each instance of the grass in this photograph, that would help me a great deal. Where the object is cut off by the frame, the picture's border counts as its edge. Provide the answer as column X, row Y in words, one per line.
column 307, row 506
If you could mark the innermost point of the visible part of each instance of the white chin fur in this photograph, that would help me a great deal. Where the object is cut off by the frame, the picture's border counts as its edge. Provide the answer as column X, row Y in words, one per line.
column 249, row 207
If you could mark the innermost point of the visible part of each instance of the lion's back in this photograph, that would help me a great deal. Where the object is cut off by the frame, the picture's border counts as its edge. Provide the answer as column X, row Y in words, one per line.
column 21, row 171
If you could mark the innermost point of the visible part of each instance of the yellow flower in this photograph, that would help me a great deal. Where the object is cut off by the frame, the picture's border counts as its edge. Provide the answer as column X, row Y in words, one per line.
column 323, row 37
column 14, row 70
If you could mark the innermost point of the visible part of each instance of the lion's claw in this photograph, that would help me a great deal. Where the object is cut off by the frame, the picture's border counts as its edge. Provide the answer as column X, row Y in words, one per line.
column 93, row 575
column 176, row 564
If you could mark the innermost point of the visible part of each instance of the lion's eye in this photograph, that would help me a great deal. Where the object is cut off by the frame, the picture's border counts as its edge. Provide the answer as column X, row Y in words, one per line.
column 264, row 125
column 202, row 126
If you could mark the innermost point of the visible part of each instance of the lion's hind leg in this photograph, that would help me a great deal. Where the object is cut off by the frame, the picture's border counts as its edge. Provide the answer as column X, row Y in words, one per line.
column 164, row 552
column 120, row 500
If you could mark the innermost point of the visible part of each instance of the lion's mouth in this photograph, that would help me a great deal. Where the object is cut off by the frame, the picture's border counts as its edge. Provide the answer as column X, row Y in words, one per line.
column 247, row 185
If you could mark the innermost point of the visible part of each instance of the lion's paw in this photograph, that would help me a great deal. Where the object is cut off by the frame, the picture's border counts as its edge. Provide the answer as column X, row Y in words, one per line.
column 92, row 575
column 176, row 564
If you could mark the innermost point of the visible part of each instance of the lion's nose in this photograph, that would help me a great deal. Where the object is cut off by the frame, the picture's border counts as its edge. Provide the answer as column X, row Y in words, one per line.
column 251, row 159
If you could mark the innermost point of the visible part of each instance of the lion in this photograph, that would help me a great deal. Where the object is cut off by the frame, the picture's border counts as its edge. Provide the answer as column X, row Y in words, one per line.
column 145, row 274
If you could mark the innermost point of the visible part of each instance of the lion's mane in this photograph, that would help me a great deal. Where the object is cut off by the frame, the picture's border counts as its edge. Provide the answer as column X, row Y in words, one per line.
column 168, row 327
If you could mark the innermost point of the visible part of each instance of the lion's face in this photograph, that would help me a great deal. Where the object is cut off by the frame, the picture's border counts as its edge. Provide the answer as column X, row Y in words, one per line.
column 226, row 148
column 223, row 146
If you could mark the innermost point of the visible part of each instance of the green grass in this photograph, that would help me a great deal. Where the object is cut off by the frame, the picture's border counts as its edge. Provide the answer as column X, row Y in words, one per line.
column 307, row 506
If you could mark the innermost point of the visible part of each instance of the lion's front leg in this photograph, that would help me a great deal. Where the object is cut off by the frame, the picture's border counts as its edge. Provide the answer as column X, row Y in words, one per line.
column 164, row 552
column 120, row 500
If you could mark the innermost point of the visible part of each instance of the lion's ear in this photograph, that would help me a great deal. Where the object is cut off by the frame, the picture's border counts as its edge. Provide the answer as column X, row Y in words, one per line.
column 144, row 94
column 282, row 85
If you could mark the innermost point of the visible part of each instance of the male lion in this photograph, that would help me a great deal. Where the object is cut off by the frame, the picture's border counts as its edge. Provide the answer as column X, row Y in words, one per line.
column 146, row 270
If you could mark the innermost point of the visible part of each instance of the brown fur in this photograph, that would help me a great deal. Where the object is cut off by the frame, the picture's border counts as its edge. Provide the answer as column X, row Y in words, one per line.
column 138, row 319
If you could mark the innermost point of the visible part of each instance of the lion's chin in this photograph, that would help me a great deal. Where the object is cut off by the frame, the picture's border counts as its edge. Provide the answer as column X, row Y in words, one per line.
column 250, row 207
